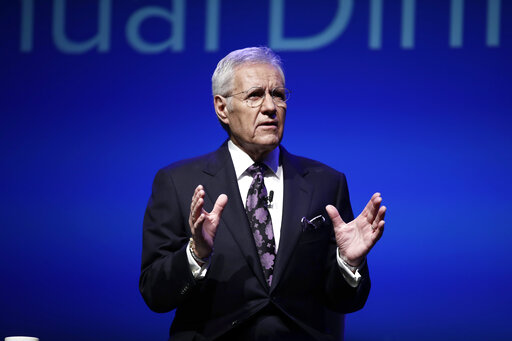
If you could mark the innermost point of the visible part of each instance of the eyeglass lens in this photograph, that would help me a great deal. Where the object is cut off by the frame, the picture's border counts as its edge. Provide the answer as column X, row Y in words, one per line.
column 256, row 96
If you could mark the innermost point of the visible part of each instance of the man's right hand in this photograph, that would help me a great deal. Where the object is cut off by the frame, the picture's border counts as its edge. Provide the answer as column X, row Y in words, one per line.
column 203, row 225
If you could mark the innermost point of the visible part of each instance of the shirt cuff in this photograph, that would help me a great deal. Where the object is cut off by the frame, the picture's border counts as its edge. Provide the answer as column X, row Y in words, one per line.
column 350, row 273
column 199, row 272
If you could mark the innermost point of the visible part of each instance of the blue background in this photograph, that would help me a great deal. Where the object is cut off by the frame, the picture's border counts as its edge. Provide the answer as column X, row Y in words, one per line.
column 82, row 136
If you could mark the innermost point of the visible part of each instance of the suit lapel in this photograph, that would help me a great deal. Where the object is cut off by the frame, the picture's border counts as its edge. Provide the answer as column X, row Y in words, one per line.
column 296, row 200
column 223, row 180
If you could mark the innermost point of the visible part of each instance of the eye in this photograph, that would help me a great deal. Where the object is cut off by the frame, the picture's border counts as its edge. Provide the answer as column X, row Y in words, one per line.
column 255, row 93
column 279, row 93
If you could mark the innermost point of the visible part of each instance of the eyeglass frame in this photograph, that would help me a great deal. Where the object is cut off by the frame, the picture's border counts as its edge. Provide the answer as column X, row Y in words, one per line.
column 279, row 103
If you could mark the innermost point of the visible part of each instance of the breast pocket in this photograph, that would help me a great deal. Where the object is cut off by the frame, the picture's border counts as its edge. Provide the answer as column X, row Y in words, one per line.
column 318, row 234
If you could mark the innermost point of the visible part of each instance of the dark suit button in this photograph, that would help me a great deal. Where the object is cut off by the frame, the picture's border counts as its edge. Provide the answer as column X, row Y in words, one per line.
column 234, row 323
column 184, row 290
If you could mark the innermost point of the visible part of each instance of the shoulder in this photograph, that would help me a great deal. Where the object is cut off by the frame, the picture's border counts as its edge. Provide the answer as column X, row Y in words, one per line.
column 184, row 175
column 187, row 165
column 203, row 163
column 309, row 166
column 314, row 165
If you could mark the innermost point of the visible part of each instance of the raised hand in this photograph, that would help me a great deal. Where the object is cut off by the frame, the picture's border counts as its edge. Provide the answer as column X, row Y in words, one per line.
column 356, row 238
column 203, row 225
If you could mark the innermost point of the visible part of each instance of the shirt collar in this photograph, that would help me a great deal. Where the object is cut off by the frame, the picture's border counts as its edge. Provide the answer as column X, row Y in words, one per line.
column 242, row 161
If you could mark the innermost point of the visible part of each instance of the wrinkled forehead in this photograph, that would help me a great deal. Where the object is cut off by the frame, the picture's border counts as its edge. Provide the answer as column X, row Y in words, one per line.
column 257, row 74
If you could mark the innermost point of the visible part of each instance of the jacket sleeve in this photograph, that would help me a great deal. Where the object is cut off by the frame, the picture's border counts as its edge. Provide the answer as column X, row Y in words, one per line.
column 166, row 279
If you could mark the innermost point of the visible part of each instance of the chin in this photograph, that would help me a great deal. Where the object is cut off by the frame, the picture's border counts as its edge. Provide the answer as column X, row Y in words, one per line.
column 270, row 141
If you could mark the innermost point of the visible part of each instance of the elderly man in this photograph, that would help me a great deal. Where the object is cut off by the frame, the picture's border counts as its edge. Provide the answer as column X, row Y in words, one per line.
column 250, row 242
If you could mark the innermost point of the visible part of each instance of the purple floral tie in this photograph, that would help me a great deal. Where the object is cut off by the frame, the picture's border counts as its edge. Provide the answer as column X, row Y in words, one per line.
column 260, row 220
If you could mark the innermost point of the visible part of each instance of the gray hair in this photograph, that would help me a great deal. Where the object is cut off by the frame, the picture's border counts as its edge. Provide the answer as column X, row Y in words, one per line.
column 224, row 75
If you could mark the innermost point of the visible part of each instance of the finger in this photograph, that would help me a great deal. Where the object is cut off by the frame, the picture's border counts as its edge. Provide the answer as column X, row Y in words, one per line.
column 198, row 202
column 194, row 198
column 198, row 224
column 381, row 225
column 372, row 207
column 197, row 228
column 334, row 215
column 196, row 191
column 220, row 203
column 379, row 219
column 380, row 215
column 198, row 209
column 379, row 230
column 198, row 188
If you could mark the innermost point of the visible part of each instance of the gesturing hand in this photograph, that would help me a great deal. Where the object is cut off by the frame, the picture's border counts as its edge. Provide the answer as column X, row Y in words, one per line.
column 203, row 225
column 356, row 238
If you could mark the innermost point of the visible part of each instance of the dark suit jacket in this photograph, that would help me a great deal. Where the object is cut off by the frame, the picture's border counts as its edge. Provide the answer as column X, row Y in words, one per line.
column 307, row 283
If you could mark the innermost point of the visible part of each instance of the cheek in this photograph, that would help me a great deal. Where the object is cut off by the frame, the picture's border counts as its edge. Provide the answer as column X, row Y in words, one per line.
column 245, row 128
column 282, row 119
column 250, row 124
column 238, row 122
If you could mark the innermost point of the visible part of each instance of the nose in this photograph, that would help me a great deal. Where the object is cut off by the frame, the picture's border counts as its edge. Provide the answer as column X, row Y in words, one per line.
column 268, row 106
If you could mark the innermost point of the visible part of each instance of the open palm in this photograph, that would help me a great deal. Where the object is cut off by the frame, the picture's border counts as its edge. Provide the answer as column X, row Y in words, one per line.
column 356, row 238
column 203, row 224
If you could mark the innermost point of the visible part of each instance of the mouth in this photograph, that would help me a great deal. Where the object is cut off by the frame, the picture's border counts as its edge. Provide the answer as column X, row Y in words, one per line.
column 268, row 124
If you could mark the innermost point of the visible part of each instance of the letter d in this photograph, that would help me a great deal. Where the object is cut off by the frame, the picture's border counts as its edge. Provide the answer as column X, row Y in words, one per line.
column 278, row 42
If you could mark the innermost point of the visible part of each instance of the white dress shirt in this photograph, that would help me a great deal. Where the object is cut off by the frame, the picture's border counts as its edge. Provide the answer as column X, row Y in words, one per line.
column 274, row 182
column 273, row 179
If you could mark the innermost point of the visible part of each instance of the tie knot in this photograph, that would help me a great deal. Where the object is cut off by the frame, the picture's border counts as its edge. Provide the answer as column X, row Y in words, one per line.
column 256, row 169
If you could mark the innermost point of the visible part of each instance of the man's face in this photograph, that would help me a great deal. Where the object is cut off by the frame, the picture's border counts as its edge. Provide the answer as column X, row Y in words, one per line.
column 256, row 130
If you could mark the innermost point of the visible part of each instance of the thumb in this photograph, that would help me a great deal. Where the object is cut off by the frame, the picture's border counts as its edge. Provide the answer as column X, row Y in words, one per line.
column 334, row 215
column 221, row 202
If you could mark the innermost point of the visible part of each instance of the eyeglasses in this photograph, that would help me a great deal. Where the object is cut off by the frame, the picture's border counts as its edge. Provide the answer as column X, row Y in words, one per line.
column 255, row 96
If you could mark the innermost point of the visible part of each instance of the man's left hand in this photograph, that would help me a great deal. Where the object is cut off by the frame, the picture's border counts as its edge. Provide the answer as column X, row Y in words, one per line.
column 356, row 238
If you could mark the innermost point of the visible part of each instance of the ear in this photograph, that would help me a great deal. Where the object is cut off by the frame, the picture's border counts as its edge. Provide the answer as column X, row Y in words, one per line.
column 221, row 108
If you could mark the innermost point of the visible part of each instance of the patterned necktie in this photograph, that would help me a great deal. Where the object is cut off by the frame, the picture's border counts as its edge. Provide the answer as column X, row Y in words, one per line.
column 260, row 220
